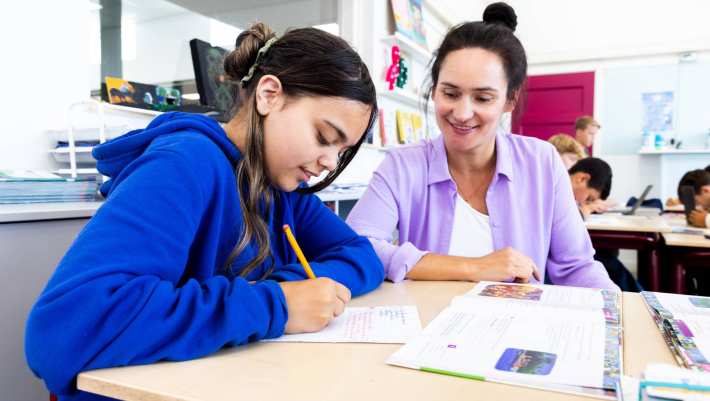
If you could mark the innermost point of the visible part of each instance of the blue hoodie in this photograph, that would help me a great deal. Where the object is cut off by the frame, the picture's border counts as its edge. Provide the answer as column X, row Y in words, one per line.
column 145, row 281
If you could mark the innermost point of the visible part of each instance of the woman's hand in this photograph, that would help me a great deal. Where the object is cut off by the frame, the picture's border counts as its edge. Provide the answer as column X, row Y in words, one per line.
column 312, row 304
column 502, row 265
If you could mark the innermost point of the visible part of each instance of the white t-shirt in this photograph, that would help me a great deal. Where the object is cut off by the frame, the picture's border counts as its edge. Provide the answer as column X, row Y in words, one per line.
column 471, row 235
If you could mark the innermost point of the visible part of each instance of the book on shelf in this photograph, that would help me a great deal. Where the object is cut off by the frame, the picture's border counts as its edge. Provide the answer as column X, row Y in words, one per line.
column 388, row 127
column 33, row 186
column 556, row 338
column 405, row 131
column 408, row 20
column 418, row 126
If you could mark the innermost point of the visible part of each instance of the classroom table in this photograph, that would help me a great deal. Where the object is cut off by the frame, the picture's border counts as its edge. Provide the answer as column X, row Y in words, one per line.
column 308, row 371
column 641, row 233
column 686, row 250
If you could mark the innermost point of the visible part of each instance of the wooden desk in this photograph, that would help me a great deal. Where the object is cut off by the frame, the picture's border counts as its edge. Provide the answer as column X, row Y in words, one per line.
column 293, row 371
column 686, row 240
column 641, row 233
column 686, row 250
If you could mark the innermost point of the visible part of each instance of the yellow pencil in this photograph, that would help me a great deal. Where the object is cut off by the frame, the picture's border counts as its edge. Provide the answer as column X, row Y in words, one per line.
column 299, row 253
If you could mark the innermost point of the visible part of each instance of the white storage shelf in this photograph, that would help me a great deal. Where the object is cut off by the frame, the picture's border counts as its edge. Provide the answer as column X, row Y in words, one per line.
column 409, row 47
column 83, row 154
column 98, row 129
column 405, row 97
column 675, row 151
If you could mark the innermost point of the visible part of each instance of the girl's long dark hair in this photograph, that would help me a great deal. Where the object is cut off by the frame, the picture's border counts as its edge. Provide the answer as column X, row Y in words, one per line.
column 308, row 62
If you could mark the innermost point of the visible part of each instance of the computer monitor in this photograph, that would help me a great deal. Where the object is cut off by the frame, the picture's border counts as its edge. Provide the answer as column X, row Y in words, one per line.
column 639, row 201
column 212, row 85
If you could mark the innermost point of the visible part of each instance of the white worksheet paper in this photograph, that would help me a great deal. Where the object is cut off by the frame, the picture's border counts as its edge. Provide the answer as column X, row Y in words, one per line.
column 378, row 324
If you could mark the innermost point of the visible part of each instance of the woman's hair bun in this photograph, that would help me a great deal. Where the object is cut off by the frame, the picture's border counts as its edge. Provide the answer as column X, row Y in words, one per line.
column 501, row 14
column 246, row 47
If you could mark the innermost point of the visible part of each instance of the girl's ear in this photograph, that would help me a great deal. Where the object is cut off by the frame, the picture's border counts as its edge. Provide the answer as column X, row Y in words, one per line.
column 268, row 94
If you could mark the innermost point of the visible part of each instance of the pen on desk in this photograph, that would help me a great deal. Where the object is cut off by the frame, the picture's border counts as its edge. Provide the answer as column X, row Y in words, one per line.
column 299, row 253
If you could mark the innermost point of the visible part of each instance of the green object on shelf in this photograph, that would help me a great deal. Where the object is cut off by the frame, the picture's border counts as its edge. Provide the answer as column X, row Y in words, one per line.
column 402, row 76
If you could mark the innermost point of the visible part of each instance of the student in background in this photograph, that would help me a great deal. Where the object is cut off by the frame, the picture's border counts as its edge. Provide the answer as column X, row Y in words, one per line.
column 675, row 201
column 569, row 149
column 586, row 129
column 591, row 183
column 188, row 255
column 700, row 181
column 478, row 203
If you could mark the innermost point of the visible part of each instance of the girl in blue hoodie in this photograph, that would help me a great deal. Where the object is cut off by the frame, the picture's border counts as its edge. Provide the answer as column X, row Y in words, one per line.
column 187, row 254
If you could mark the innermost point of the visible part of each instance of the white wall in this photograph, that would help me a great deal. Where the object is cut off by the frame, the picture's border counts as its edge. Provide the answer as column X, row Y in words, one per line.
column 618, row 84
column 44, row 70
column 610, row 37
column 563, row 30
column 163, row 50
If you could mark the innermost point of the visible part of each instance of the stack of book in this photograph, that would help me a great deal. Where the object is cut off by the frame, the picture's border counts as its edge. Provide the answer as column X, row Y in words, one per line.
column 29, row 186
column 683, row 321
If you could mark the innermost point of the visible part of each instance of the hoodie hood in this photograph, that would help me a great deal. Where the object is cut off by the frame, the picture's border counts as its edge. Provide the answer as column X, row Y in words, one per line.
column 113, row 156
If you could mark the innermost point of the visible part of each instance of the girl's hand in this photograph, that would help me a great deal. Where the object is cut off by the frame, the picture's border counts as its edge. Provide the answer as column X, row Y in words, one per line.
column 312, row 304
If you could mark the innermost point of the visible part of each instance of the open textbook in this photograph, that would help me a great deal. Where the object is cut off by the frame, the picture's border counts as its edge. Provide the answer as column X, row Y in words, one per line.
column 377, row 324
column 684, row 322
column 558, row 338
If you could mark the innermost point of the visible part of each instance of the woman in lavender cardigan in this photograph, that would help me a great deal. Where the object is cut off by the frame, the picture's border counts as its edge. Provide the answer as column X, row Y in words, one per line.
column 478, row 203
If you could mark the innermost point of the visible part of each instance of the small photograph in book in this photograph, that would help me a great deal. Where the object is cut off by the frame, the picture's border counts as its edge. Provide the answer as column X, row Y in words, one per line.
column 526, row 292
column 526, row 361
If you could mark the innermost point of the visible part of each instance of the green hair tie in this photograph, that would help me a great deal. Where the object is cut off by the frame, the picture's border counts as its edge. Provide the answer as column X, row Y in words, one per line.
column 259, row 55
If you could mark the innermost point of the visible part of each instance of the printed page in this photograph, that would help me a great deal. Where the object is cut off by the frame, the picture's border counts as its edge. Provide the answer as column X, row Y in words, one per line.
column 682, row 304
column 691, row 324
column 536, row 294
column 379, row 324
column 513, row 337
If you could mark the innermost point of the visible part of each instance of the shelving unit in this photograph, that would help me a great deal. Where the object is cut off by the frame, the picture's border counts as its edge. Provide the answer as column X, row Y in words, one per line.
column 404, row 97
column 696, row 151
column 408, row 99
column 408, row 47
column 100, row 116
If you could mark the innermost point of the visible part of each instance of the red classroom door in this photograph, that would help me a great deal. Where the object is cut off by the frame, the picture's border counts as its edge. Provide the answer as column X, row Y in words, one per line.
column 554, row 102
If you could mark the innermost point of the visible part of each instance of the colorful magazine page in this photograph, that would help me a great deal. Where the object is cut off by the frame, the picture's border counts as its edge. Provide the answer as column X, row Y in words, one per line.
column 558, row 338
column 684, row 322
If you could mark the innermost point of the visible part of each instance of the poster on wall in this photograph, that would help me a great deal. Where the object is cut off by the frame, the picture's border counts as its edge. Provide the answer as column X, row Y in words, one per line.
column 657, row 111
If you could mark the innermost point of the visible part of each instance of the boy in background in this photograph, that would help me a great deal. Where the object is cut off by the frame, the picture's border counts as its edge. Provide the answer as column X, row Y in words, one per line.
column 586, row 129
column 591, row 184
